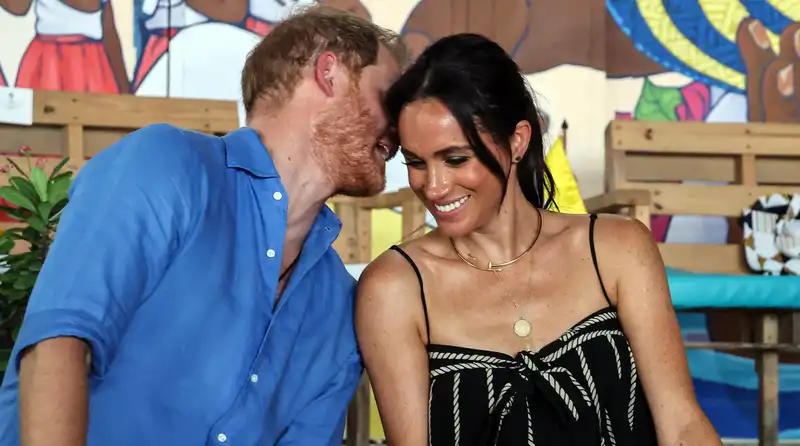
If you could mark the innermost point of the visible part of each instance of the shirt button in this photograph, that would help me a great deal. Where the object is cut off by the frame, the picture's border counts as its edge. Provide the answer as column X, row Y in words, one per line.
column 277, row 195
column 222, row 438
column 254, row 378
column 270, row 253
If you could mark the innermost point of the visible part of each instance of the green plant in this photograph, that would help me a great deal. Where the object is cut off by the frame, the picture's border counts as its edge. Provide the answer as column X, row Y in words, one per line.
column 36, row 200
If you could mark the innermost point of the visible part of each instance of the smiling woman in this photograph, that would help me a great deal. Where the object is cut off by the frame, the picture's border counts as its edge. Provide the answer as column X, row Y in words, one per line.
column 506, row 302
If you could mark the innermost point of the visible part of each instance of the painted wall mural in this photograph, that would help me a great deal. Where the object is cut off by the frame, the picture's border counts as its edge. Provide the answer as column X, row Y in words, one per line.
column 588, row 61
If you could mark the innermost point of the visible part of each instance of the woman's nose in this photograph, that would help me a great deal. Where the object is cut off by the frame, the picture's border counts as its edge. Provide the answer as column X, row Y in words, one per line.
column 437, row 185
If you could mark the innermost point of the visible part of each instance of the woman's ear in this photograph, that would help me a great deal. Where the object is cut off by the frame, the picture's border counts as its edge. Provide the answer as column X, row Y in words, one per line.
column 520, row 140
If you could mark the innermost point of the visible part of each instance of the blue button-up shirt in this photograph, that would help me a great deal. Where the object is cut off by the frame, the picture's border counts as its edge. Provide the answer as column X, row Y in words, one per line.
column 167, row 261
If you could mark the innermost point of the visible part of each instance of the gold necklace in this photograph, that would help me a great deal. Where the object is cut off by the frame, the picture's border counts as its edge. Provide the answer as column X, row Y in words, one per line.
column 522, row 327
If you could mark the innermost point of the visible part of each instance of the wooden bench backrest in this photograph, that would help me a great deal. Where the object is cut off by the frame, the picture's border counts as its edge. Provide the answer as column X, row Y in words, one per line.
column 676, row 161
column 80, row 125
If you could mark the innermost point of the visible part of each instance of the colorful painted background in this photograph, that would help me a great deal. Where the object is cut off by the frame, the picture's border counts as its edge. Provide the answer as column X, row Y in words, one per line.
column 588, row 60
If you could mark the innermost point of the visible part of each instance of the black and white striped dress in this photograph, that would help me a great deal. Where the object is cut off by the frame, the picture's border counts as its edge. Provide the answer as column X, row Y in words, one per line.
column 581, row 389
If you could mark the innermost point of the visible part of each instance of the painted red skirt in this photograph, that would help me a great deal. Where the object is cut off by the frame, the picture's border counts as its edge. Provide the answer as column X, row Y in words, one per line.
column 66, row 63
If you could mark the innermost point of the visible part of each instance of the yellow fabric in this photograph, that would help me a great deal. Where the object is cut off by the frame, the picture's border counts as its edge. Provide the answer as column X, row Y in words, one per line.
column 568, row 196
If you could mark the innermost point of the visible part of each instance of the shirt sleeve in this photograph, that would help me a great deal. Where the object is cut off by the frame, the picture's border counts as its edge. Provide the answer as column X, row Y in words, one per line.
column 130, row 208
column 322, row 421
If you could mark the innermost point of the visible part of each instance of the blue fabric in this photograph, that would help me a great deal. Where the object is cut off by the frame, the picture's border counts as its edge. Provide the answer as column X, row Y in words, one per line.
column 167, row 261
column 696, row 291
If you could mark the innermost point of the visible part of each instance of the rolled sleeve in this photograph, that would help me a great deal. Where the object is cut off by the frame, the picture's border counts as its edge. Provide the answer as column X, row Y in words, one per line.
column 322, row 421
column 130, row 208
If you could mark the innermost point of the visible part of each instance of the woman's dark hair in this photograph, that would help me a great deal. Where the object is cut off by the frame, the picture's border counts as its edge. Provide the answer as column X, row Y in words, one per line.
column 484, row 90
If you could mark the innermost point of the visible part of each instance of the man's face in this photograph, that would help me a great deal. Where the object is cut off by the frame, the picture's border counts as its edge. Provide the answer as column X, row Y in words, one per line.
column 350, row 136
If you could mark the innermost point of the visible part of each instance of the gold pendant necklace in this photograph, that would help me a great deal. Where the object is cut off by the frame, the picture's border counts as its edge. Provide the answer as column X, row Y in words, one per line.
column 522, row 327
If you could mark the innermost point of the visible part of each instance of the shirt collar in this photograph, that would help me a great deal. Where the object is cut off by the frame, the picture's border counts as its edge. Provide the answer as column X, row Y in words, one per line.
column 244, row 150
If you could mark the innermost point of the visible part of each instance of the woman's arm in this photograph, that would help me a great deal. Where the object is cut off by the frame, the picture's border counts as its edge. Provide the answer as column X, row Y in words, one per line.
column 648, row 320
column 16, row 7
column 389, row 325
column 114, row 49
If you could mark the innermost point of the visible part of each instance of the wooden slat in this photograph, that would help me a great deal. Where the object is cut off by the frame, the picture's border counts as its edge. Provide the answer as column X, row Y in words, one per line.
column 713, row 259
column 686, row 199
column 74, row 143
column 383, row 201
column 618, row 199
column 132, row 112
column 639, row 167
column 707, row 138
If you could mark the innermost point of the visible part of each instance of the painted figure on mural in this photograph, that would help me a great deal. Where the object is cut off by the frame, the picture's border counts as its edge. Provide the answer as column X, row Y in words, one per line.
column 539, row 35
column 163, row 19
column 76, row 47
column 263, row 15
column 773, row 81
column 198, row 31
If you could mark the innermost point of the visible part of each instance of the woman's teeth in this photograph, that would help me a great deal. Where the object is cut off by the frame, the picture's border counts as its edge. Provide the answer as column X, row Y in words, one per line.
column 450, row 207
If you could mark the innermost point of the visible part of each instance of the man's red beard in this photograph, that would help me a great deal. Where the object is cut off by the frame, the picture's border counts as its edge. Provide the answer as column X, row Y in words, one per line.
column 343, row 142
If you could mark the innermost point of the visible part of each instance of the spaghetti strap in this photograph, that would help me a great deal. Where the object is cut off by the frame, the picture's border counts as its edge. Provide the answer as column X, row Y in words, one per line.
column 421, row 289
column 592, row 218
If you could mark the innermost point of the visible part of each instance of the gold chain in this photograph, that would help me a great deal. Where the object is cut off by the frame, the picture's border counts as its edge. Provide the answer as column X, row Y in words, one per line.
column 494, row 267
column 522, row 327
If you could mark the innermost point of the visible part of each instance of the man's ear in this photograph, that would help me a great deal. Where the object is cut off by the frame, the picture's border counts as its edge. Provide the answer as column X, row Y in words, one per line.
column 324, row 69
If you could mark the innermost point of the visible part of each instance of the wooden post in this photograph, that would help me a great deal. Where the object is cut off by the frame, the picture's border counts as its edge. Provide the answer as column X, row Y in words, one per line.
column 767, row 366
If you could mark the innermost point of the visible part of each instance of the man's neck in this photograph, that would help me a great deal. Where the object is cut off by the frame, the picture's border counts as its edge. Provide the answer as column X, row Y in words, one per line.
column 306, row 184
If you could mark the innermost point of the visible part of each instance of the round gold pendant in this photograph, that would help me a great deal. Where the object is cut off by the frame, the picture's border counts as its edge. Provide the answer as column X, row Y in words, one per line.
column 522, row 328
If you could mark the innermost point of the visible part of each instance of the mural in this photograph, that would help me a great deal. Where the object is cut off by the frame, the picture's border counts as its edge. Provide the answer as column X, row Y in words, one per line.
column 588, row 61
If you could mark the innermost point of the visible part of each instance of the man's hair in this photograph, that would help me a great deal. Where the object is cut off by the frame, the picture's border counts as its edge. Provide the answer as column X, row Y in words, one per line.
column 275, row 66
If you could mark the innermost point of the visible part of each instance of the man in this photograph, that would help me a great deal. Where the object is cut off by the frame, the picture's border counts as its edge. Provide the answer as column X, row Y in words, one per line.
column 192, row 296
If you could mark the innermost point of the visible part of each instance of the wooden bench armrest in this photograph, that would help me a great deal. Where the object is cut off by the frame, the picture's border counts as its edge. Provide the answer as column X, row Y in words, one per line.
column 383, row 201
column 616, row 200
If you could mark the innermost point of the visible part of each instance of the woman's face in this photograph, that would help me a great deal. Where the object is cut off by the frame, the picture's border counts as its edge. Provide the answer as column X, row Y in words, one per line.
column 443, row 171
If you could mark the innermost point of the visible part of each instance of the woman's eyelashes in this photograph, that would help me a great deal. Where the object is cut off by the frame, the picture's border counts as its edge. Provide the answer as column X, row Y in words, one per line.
column 453, row 161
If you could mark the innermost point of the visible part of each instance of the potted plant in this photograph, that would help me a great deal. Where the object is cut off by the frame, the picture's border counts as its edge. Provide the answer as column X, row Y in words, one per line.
column 36, row 199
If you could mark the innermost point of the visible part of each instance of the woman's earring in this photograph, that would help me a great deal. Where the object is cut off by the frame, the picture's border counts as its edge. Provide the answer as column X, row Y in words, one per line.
column 517, row 159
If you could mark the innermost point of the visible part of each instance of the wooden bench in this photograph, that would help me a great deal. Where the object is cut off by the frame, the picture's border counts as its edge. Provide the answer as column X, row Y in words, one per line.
column 657, row 168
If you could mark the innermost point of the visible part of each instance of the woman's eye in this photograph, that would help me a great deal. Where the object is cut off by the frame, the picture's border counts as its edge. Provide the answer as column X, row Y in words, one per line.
column 416, row 164
column 457, row 161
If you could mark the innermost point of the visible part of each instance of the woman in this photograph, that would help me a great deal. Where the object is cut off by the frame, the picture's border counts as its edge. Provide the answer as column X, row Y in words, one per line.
column 509, row 324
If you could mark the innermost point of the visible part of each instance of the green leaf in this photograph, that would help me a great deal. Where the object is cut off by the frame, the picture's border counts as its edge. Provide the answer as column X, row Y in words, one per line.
column 24, row 186
column 45, row 209
column 6, row 244
column 657, row 103
column 39, row 180
column 35, row 267
column 15, row 213
column 58, row 168
column 12, row 195
column 30, row 233
column 62, row 175
column 56, row 216
column 36, row 222
column 16, row 235
column 25, row 282
column 16, row 166
column 59, row 187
